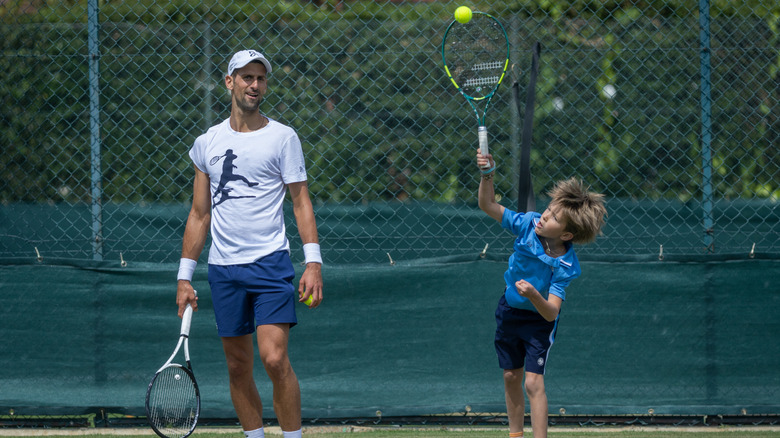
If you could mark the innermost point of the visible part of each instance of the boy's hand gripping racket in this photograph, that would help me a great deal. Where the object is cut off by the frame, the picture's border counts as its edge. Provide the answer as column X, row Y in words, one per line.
column 476, row 57
column 173, row 398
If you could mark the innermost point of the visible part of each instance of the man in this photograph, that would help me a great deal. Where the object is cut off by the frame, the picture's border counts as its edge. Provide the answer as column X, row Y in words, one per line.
column 250, row 272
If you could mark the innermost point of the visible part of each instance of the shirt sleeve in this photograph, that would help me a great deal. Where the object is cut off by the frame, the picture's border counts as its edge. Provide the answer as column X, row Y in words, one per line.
column 562, row 277
column 513, row 221
column 292, row 163
column 196, row 154
column 558, row 288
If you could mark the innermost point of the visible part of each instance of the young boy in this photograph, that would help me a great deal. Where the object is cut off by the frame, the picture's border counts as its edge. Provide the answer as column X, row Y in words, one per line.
column 542, row 265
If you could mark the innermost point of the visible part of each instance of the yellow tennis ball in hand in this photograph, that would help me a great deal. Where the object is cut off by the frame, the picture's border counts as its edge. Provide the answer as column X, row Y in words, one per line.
column 307, row 301
column 463, row 14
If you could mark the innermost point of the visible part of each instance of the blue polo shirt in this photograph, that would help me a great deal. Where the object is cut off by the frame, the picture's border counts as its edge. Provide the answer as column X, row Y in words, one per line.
column 529, row 262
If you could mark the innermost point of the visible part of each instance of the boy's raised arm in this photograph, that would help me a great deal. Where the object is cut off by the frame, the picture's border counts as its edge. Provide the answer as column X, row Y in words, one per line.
column 487, row 194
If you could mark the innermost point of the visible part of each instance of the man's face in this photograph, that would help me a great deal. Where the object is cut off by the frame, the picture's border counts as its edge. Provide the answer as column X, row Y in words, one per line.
column 248, row 86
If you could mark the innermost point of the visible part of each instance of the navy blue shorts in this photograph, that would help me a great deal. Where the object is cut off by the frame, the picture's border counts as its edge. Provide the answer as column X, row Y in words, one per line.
column 523, row 338
column 253, row 294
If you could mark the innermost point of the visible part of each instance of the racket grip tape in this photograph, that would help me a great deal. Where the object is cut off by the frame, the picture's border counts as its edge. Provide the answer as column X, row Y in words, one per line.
column 186, row 317
column 186, row 321
column 483, row 143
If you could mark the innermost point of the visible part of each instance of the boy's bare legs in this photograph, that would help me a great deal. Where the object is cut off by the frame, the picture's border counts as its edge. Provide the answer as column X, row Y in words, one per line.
column 239, row 353
column 272, row 342
column 537, row 399
column 515, row 399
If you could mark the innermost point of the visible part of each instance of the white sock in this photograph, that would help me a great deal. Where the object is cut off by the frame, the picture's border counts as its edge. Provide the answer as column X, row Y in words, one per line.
column 257, row 433
column 296, row 434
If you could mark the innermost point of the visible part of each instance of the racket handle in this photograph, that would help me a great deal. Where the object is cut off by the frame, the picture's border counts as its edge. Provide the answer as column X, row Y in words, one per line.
column 186, row 321
column 483, row 143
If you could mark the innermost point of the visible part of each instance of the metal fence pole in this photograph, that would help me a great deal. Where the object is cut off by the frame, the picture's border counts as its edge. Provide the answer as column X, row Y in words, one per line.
column 706, row 123
column 514, row 132
column 208, row 81
column 94, row 127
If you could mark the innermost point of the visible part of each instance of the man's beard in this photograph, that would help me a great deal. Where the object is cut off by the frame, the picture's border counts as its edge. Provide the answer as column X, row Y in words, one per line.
column 247, row 107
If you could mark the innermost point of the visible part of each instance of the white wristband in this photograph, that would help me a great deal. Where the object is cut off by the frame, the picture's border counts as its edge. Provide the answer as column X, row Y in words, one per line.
column 311, row 252
column 186, row 269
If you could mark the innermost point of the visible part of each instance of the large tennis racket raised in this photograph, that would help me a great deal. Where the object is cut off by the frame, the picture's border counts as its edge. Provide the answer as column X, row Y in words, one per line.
column 173, row 398
column 476, row 57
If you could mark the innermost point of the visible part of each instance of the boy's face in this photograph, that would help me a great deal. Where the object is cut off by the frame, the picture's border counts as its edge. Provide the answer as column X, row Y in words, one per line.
column 552, row 225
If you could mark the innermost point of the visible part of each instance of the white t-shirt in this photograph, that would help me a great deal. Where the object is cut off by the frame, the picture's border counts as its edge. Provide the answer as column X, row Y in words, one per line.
column 248, row 173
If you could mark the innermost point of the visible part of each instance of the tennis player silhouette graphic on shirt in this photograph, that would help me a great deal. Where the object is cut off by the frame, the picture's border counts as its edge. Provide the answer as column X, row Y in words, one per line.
column 228, row 176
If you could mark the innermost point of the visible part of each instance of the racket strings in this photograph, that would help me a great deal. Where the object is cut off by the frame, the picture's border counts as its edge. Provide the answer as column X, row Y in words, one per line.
column 475, row 54
column 488, row 66
column 475, row 82
column 173, row 402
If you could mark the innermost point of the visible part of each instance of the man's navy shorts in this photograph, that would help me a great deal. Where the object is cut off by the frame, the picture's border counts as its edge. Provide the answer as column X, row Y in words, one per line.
column 253, row 294
column 523, row 338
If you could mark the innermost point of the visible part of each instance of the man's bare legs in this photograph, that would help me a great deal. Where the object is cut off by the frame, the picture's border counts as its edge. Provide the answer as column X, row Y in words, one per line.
column 239, row 353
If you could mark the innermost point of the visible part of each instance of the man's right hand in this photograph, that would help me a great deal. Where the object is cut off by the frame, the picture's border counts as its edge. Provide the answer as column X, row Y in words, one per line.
column 185, row 294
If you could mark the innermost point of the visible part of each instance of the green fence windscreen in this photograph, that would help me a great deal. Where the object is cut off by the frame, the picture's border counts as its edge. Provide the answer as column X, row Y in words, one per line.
column 413, row 338
column 377, row 232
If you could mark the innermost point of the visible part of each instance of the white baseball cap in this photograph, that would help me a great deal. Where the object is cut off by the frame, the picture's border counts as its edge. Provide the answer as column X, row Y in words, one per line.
column 244, row 57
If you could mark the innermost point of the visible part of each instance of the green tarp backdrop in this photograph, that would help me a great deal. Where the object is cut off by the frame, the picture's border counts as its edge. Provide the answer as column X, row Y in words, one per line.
column 696, row 336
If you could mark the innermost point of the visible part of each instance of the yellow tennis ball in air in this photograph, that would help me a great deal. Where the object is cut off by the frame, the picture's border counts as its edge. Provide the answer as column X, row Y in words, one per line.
column 463, row 14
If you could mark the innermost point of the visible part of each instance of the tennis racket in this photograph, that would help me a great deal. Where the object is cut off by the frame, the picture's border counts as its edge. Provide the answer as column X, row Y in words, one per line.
column 476, row 56
column 173, row 398
column 214, row 159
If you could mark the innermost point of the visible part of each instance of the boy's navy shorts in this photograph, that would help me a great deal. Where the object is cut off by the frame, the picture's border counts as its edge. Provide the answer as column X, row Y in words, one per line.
column 253, row 294
column 523, row 338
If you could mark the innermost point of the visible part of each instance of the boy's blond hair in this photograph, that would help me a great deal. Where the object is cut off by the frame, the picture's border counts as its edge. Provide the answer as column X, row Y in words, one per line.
column 583, row 210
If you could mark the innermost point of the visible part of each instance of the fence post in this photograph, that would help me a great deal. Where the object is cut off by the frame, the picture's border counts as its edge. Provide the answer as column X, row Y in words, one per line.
column 706, row 123
column 94, row 128
column 208, row 80
column 514, row 132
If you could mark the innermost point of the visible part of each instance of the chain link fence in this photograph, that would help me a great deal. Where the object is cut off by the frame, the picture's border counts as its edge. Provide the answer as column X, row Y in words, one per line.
column 670, row 108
